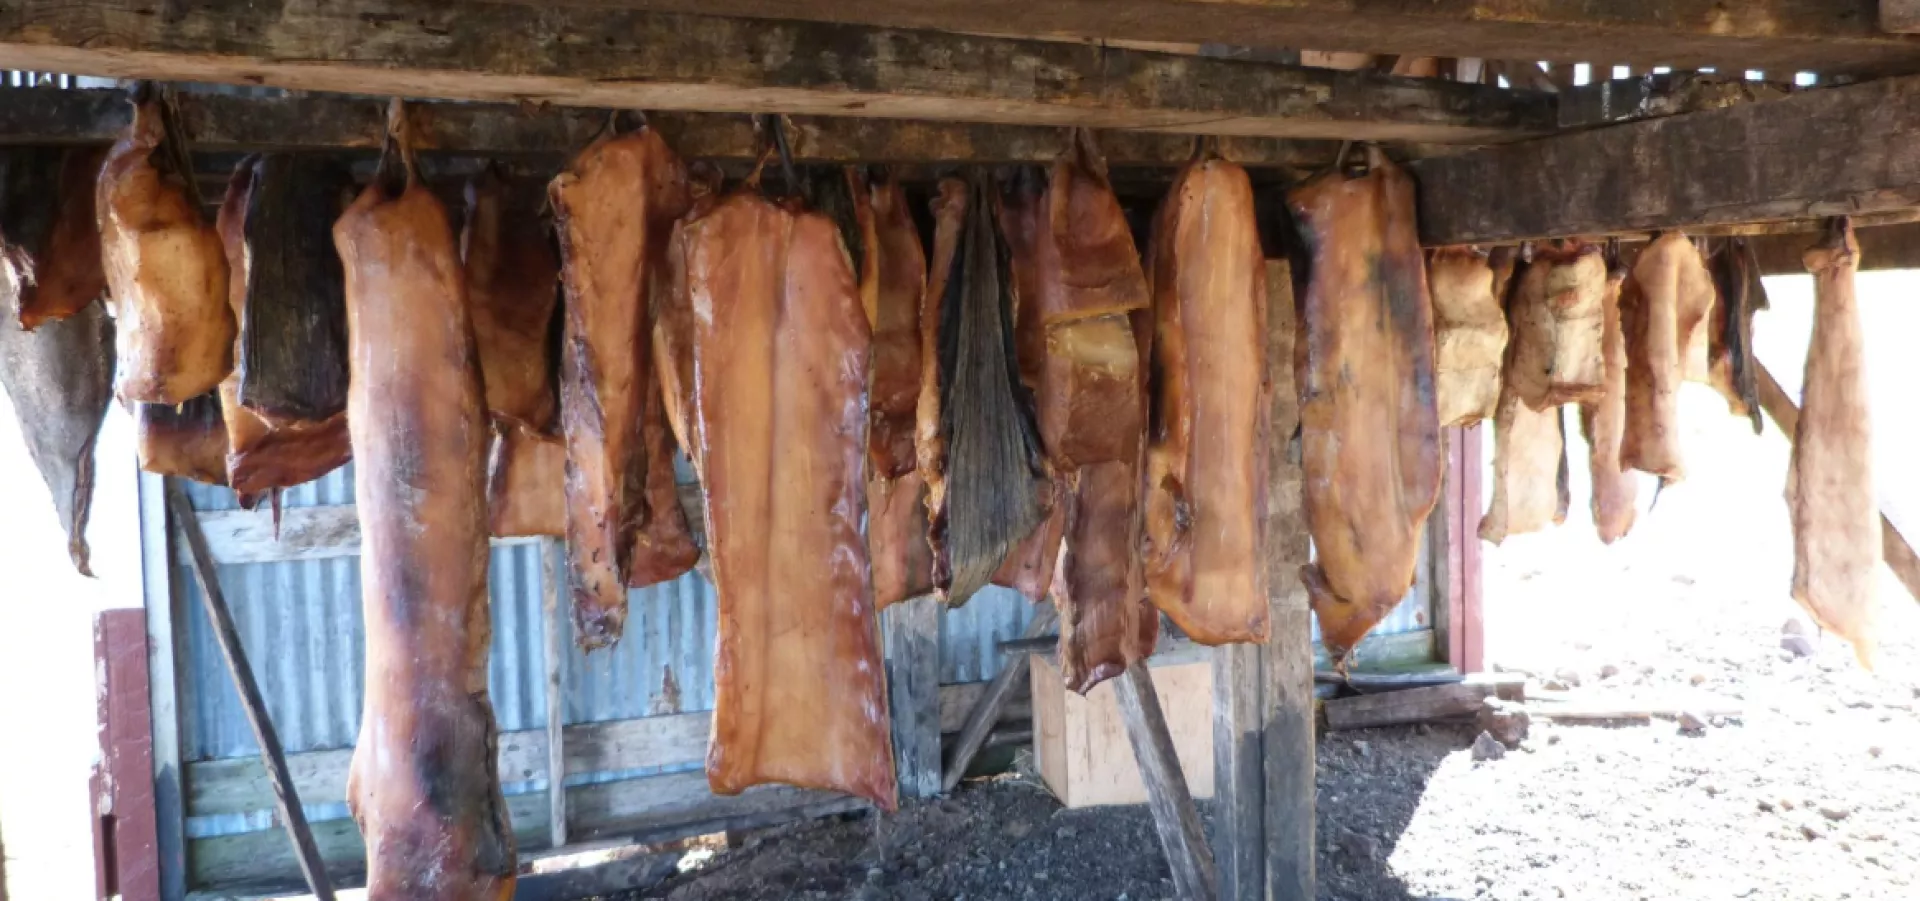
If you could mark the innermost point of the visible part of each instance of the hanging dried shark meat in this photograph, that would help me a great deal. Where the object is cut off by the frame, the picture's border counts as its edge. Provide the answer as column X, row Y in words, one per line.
column 1077, row 280
column 976, row 441
column 893, row 276
column 1370, row 430
column 1556, row 326
column 1082, row 327
column 1530, row 473
column 1469, row 335
column 663, row 548
column 1205, row 480
column 780, row 418
column 48, row 231
column 614, row 208
column 423, row 785
column 59, row 378
column 897, row 539
column 284, row 404
column 165, row 266
column 1602, row 422
column 673, row 317
column 513, row 285
column 1663, row 309
column 525, row 474
column 189, row 441
column 1738, row 294
column 1830, row 494
column 1106, row 623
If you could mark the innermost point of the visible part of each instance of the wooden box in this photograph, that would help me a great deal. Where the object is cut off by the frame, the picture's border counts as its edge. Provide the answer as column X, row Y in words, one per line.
column 1081, row 743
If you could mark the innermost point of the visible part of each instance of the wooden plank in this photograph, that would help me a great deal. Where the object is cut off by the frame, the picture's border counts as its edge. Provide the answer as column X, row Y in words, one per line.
column 237, row 785
column 646, row 810
column 286, row 797
column 1083, row 753
column 166, row 630
column 1420, row 705
column 1175, row 818
column 1463, row 627
column 1900, row 16
column 1613, row 101
column 1894, row 547
column 622, row 57
column 557, row 632
column 1833, row 151
column 1783, row 35
column 911, row 630
column 1287, row 739
column 986, row 712
column 222, row 123
column 956, row 702
column 126, row 850
column 319, row 533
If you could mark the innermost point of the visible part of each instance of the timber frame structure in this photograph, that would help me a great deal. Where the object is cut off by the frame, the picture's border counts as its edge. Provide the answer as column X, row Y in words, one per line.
column 1760, row 117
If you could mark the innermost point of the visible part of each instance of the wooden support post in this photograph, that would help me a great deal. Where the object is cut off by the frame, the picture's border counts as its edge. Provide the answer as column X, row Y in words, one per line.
column 1456, row 555
column 1286, row 704
column 986, row 711
column 1263, row 696
column 166, row 629
column 558, row 633
column 286, row 799
column 1175, row 817
column 1894, row 548
column 911, row 629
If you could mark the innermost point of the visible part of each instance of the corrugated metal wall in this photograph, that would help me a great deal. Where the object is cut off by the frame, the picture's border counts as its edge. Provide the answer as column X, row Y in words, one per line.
column 300, row 623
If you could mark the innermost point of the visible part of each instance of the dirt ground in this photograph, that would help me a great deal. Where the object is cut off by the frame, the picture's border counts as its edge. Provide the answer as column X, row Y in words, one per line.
column 1806, row 785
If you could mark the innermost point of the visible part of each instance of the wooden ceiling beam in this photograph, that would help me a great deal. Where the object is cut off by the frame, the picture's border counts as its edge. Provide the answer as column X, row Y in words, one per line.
column 1843, row 150
column 1778, row 36
column 573, row 56
column 222, row 123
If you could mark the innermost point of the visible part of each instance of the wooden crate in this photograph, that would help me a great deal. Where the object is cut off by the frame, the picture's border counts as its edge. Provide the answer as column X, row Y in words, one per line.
column 1081, row 743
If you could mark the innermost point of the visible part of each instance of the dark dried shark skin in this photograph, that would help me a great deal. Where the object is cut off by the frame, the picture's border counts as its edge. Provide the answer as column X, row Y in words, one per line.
column 60, row 380
column 292, row 355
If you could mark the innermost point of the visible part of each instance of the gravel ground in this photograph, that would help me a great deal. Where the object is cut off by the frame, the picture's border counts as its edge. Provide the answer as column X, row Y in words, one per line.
column 1811, row 790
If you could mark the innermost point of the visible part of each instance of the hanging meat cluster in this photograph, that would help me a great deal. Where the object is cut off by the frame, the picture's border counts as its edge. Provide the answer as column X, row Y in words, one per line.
column 872, row 412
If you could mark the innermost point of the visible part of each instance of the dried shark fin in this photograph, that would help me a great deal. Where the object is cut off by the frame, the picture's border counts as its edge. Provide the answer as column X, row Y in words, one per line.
column 988, row 498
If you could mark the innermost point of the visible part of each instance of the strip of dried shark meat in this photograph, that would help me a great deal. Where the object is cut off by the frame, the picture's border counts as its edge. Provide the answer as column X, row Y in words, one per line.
column 423, row 784
column 1370, row 429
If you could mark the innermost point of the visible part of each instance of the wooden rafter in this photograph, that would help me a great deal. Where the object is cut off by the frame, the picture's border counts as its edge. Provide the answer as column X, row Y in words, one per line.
column 622, row 57
column 1779, row 36
column 221, row 122
column 1833, row 151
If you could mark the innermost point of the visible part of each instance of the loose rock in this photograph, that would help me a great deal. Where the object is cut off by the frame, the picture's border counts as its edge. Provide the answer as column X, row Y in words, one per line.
column 1692, row 723
column 1486, row 747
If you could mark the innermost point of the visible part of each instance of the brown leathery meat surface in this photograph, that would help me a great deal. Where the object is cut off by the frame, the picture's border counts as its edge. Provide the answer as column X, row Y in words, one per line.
column 1205, row 474
column 1370, row 432
column 166, row 271
column 423, row 784
column 614, row 208
column 781, row 349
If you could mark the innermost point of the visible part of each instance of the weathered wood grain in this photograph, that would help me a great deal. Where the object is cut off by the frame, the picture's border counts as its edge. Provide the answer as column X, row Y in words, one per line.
column 616, row 57
column 1287, row 698
column 222, row 123
column 1900, row 16
column 911, row 630
column 1834, row 151
column 1785, row 35
column 1420, row 705
column 1175, row 818
column 985, row 713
